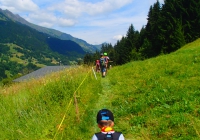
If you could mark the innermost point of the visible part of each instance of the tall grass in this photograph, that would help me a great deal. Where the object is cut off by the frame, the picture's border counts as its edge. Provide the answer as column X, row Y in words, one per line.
column 153, row 99
column 35, row 109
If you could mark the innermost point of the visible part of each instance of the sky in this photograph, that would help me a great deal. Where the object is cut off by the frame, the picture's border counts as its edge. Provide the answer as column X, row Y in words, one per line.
column 95, row 21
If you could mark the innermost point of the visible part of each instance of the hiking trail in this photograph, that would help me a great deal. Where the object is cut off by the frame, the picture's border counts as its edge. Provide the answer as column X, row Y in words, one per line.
column 104, row 97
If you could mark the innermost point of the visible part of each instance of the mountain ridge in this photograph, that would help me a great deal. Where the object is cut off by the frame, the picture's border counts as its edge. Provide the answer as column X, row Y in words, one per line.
column 55, row 33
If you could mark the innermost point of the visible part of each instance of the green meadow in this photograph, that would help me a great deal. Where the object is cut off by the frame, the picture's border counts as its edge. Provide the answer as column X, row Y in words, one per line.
column 155, row 99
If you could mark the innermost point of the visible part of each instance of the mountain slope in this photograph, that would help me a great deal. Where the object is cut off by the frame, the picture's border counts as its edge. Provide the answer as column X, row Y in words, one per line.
column 24, row 47
column 55, row 33
column 60, row 46
column 29, row 38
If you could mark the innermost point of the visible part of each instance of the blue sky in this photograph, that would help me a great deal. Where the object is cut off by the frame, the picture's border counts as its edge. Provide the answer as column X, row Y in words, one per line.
column 95, row 21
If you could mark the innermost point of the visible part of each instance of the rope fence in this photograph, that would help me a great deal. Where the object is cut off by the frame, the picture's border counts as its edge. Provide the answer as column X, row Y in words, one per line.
column 67, row 108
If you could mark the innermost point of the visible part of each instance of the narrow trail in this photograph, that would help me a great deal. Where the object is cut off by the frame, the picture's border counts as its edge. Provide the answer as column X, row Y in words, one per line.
column 104, row 97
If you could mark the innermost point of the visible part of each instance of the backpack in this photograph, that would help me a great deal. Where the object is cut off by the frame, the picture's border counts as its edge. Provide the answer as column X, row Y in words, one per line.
column 102, row 62
column 106, row 58
column 108, row 136
column 97, row 62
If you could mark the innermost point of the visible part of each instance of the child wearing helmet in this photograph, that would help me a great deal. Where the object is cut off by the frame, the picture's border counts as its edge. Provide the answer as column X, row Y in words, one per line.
column 105, row 121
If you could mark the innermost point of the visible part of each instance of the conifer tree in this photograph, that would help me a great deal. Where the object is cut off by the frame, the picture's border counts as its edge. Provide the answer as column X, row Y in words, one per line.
column 153, row 30
column 120, row 52
column 188, row 14
column 131, row 46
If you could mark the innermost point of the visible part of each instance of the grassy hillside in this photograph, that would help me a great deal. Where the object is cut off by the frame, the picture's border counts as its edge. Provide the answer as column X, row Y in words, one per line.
column 17, row 56
column 153, row 99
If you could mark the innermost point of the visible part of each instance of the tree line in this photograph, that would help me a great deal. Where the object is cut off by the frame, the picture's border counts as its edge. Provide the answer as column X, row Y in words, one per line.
column 169, row 27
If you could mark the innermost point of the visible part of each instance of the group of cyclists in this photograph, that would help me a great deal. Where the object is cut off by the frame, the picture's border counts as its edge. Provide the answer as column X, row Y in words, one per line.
column 102, row 64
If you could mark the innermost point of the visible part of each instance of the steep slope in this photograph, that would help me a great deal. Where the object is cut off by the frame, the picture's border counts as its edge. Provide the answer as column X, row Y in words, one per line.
column 55, row 33
column 159, row 98
column 60, row 46
column 29, row 38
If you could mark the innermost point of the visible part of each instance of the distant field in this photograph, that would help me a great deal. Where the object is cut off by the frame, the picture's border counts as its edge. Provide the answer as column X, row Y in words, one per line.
column 16, row 56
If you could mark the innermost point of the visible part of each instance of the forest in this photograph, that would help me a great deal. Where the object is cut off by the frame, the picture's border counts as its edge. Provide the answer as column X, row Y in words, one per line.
column 169, row 27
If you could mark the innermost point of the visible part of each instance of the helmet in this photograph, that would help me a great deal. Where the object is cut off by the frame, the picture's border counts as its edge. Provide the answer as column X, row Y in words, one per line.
column 101, row 54
column 105, row 53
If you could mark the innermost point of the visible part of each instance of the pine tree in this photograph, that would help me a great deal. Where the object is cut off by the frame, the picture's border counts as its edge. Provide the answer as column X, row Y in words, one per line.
column 188, row 14
column 153, row 30
column 120, row 52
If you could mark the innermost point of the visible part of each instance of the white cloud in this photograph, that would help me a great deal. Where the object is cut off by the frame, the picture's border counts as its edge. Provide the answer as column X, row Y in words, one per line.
column 76, row 8
column 45, row 24
column 49, row 20
column 43, row 16
column 69, row 8
column 19, row 5
column 65, row 22
column 105, row 6
column 118, row 37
